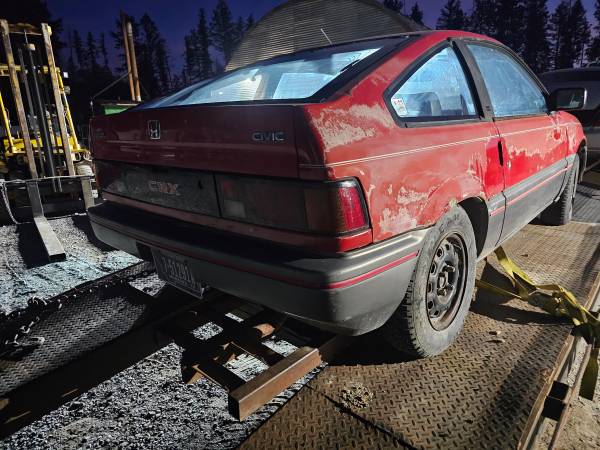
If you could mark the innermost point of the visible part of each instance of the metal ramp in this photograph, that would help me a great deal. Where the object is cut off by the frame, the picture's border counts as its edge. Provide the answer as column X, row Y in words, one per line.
column 489, row 390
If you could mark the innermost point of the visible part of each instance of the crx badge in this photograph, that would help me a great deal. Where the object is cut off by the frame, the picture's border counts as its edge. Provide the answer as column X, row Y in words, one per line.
column 154, row 129
column 163, row 187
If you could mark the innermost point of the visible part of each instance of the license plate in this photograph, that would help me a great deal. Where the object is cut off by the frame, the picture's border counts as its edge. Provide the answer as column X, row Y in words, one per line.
column 175, row 270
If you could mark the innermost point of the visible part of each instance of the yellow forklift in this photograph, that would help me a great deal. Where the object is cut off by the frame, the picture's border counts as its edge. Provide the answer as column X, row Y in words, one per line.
column 43, row 168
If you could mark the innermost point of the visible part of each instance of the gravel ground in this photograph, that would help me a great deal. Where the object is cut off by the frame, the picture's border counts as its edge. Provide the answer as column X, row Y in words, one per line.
column 23, row 269
column 145, row 406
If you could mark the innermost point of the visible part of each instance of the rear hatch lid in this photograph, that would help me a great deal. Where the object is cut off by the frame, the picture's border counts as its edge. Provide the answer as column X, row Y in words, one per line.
column 245, row 139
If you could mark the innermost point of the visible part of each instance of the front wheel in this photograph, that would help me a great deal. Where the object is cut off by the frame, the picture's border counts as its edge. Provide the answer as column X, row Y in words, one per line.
column 439, row 295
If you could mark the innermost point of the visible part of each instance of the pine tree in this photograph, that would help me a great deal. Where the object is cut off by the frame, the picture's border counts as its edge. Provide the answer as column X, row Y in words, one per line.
column 189, row 57
column 416, row 13
column 395, row 5
column 91, row 53
column 204, row 60
column 483, row 19
column 536, row 46
column 153, row 59
column 71, row 67
column 250, row 22
column 580, row 27
column 509, row 23
column 452, row 16
column 198, row 63
column 240, row 30
column 570, row 33
column 103, row 51
column 161, row 58
column 561, row 37
column 593, row 50
column 78, row 47
column 222, row 29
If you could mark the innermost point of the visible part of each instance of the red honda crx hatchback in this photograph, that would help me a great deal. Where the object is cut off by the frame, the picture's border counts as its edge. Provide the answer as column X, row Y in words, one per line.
column 349, row 186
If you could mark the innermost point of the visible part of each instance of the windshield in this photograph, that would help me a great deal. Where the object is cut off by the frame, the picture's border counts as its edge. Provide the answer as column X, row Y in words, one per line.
column 298, row 76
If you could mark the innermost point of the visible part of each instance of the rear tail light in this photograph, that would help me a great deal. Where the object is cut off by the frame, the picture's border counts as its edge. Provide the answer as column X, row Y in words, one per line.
column 332, row 208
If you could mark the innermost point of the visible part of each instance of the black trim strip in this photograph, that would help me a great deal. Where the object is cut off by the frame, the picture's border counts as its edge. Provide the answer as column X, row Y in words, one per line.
column 524, row 187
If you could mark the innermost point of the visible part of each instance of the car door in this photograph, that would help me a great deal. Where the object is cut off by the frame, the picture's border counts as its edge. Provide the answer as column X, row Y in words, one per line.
column 533, row 144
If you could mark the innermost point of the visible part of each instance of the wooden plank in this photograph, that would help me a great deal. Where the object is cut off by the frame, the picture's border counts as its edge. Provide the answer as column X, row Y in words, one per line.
column 220, row 375
column 253, row 394
column 16, row 91
column 60, row 110
column 127, row 57
column 21, row 28
column 134, row 69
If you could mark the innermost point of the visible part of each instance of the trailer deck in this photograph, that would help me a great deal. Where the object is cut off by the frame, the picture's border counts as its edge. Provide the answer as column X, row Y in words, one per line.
column 493, row 388
column 487, row 391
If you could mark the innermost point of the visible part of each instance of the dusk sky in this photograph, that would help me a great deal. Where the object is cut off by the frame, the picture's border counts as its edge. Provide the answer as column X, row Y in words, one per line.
column 175, row 18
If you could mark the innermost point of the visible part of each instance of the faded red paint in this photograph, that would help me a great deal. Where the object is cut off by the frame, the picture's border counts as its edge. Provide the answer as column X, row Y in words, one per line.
column 410, row 176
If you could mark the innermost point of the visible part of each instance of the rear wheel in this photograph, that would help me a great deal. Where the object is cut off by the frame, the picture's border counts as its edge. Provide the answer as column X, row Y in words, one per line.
column 439, row 295
column 561, row 211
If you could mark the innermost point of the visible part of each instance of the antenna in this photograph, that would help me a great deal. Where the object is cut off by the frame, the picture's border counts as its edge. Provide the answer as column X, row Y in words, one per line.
column 326, row 37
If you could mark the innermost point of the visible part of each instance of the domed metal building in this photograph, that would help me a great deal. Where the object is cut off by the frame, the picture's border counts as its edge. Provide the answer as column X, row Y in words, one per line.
column 302, row 24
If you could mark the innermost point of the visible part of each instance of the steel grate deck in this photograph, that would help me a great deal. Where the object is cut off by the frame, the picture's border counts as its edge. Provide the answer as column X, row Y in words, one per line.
column 479, row 394
column 95, row 318
column 587, row 203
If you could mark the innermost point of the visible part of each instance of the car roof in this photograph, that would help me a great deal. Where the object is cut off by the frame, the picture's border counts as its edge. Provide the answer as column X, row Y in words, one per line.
column 572, row 74
column 441, row 33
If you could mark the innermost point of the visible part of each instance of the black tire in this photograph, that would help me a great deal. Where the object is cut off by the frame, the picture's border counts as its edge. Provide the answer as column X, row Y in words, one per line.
column 561, row 211
column 414, row 327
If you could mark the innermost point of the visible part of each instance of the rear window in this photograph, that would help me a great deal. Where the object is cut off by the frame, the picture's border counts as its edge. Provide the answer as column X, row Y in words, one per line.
column 293, row 77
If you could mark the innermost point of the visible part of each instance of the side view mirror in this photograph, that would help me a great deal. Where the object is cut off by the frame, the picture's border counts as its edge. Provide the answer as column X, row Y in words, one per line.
column 567, row 99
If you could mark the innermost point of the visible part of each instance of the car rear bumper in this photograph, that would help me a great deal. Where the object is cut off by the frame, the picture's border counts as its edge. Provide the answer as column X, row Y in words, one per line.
column 350, row 293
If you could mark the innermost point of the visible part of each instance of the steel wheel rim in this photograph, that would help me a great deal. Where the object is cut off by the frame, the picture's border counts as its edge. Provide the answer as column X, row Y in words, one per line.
column 446, row 281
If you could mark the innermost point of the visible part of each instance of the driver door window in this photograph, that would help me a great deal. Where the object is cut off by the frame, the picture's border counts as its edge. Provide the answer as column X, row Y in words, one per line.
column 511, row 89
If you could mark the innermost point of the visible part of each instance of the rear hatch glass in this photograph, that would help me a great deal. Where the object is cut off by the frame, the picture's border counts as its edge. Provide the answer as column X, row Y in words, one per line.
column 299, row 76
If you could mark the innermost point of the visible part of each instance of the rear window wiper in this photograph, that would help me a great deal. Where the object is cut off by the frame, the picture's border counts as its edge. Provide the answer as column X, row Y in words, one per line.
column 348, row 66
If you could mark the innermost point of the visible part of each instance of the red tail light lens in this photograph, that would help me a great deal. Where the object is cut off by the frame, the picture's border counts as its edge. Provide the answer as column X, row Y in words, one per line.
column 324, row 208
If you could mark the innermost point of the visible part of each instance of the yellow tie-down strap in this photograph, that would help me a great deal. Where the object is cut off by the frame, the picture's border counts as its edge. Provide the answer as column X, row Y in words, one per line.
column 559, row 302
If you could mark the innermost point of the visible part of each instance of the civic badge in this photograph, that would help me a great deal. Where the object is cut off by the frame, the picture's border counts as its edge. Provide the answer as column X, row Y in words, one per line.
column 154, row 129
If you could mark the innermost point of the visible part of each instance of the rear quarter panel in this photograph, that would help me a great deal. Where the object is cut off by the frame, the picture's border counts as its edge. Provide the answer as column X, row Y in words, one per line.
column 411, row 176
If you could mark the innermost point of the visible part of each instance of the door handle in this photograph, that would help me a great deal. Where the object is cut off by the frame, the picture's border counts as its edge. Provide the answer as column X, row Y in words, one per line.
column 557, row 134
column 500, row 153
